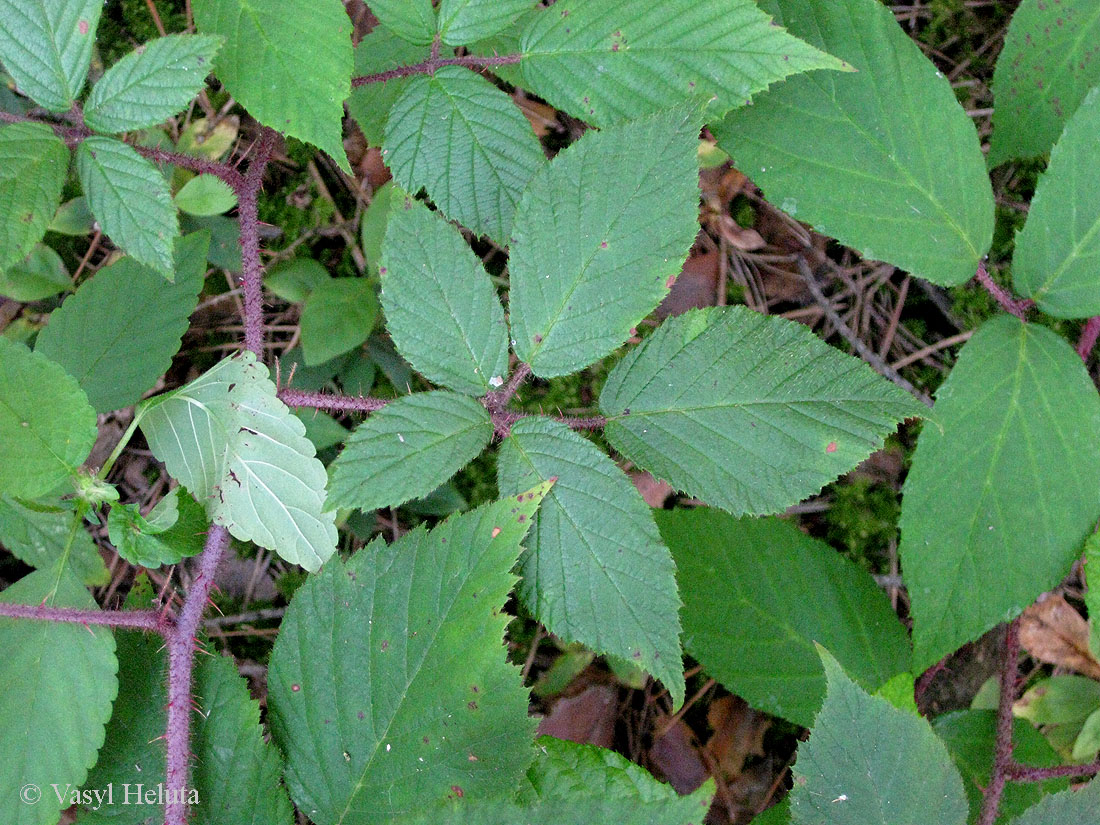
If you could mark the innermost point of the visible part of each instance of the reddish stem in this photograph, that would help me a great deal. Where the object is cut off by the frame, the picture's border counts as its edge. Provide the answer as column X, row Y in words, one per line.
column 181, row 660
column 1024, row 773
column 1087, row 341
column 200, row 165
column 1002, row 755
column 336, row 403
column 148, row 620
column 252, row 270
column 1010, row 304
column 429, row 67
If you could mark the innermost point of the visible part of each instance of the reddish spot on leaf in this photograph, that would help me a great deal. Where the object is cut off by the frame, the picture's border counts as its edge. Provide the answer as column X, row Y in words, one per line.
column 670, row 281
column 295, row 688
column 496, row 532
column 82, row 26
column 831, row 448
column 385, row 645
column 458, row 791
column 603, row 244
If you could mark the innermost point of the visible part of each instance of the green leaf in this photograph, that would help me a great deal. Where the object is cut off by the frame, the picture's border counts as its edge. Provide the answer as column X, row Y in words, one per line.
column 1057, row 258
column 595, row 570
column 750, row 413
column 389, row 689
column 1047, row 66
column 1079, row 807
column 225, row 235
column 370, row 104
column 46, row 424
column 322, row 429
column 441, row 308
column 38, row 537
column 412, row 20
column 295, row 279
column 236, row 447
column 206, row 195
column 173, row 530
column 970, row 736
column 407, row 449
column 288, row 62
column 338, row 316
column 130, row 199
column 869, row 763
column 1010, row 445
column 46, row 46
column 464, row 21
column 236, row 774
column 884, row 160
column 601, row 233
column 151, row 83
column 778, row 814
column 616, row 60
column 33, row 166
column 375, row 220
column 41, row 274
column 118, row 332
column 72, row 218
column 462, row 139
column 759, row 593
column 59, row 680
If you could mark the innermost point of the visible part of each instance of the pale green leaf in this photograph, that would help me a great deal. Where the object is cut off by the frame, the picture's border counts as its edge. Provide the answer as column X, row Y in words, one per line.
column 206, row 195
column 295, row 279
column 1092, row 592
column 118, row 332
column 237, row 448
column 884, row 160
column 759, row 593
column 375, row 220
column 33, row 166
column 869, row 763
column 407, row 449
column 1047, row 66
column 38, row 537
column 462, row 139
column 389, row 689
column 173, row 530
column 750, row 413
column 1057, row 258
column 151, row 83
column 464, row 21
column 1079, row 807
column 47, row 426
column 1010, row 449
column 42, row 274
column 412, row 20
column 338, row 316
column 46, row 46
column 370, row 104
column 236, row 773
column 595, row 569
column 612, row 61
column 600, row 234
column 970, row 736
column 72, row 218
column 130, row 199
column 59, row 681
column 288, row 62
column 202, row 139
column 442, row 311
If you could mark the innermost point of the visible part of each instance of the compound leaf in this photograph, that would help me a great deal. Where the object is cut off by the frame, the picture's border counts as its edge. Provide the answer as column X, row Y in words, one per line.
column 205, row 195
column 295, row 279
column 370, row 104
column 151, row 83
column 464, row 21
column 288, row 62
column 1047, row 66
column 47, row 426
column 1080, row 807
column 173, row 530
column 1057, row 258
column 117, row 333
column 39, row 537
column 462, row 139
column 407, row 449
column 60, row 680
column 870, row 763
column 758, row 594
column 885, row 160
column 750, row 413
column 235, row 445
column 33, row 166
column 389, row 689
column 441, row 308
column 412, row 20
column 46, row 46
column 338, row 316
column 616, row 60
column 130, row 199
column 1002, row 487
column 595, row 570
column 599, row 236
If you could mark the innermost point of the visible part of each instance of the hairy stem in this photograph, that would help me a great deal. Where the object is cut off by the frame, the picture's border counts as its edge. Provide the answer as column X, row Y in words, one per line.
column 148, row 620
column 429, row 67
column 1015, row 306
column 181, row 661
column 1002, row 755
column 252, row 270
column 1023, row 773
column 335, row 403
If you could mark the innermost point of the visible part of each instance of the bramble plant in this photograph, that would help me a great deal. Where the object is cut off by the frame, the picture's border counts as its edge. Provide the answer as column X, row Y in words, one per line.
column 497, row 264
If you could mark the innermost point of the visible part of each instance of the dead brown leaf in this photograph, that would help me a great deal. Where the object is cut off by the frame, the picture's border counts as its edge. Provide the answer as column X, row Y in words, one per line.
column 738, row 733
column 653, row 491
column 587, row 718
column 696, row 286
column 676, row 757
column 1053, row 632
